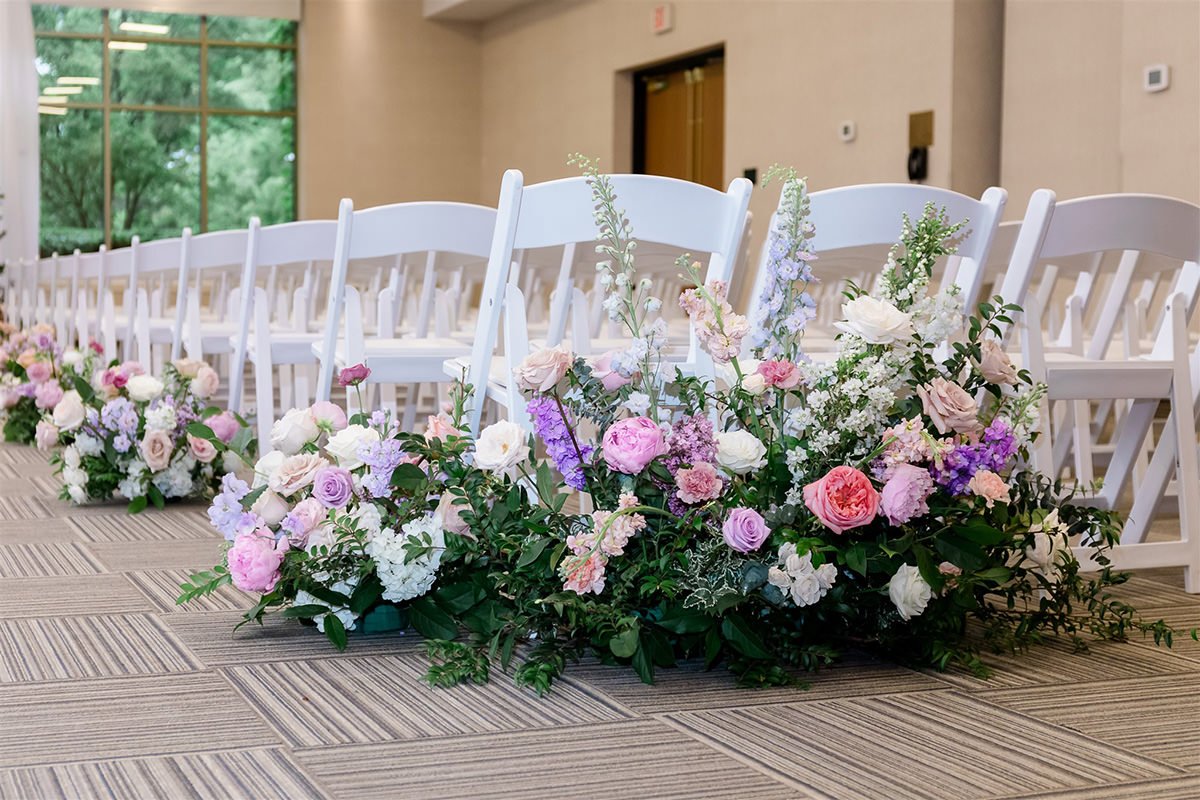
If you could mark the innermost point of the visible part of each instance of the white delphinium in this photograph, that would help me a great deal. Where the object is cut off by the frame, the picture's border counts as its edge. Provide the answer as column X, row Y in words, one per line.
column 161, row 418
column 404, row 578
column 349, row 618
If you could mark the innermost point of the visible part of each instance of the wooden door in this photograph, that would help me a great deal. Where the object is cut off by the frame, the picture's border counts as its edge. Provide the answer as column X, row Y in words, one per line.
column 679, row 118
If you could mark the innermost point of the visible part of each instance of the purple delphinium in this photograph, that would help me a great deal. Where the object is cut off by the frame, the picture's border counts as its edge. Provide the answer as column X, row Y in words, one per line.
column 691, row 442
column 993, row 452
column 382, row 457
column 120, row 416
column 226, row 512
column 555, row 431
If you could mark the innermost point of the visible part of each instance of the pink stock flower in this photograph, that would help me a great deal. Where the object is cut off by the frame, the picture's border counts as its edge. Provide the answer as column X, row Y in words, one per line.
column 353, row 376
column 224, row 426
column 583, row 574
column 39, row 371
column 329, row 416
column 780, row 374
column 905, row 494
column 719, row 330
column 254, row 561
column 602, row 370
column 843, row 499
column 699, row 483
column 745, row 530
column 631, row 444
column 47, row 395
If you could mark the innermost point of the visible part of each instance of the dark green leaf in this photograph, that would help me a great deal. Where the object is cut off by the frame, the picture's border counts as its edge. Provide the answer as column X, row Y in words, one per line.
column 531, row 553
column 304, row 612
column 743, row 638
column 409, row 477
column 335, row 631
column 430, row 621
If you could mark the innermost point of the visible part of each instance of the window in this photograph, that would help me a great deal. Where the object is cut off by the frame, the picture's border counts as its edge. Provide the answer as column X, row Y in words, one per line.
column 151, row 122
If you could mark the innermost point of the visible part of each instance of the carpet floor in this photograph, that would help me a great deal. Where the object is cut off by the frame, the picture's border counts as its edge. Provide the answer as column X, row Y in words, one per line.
column 108, row 689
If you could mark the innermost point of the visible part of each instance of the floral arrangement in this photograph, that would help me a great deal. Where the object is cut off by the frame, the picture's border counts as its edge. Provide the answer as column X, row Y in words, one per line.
column 766, row 519
column 127, row 434
column 30, row 381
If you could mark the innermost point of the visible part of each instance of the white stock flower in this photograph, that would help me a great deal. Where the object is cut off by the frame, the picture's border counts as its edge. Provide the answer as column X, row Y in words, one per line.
column 345, row 444
column 144, row 388
column 637, row 404
column 161, row 418
column 404, row 579
column 740, row 452
column 501, row 447
column 70, row 457
column 1051, row 547
column 88, row 445
column 875, row 321
column 348, row 618
column 295, row 429
column 909, row 591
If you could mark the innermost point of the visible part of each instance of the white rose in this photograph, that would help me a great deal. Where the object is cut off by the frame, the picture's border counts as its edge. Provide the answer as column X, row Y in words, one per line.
column 70, row 457
column 266, row 467
column 144, row 388
column 297, row 428
column 1050, row 548
column 909, row 591
column 345, row 444
column 74, row 476
column 69, row 413
column 755, row 384
column 271, row 507
column 72, row 358
column 501, row 447
column 77, row 494
column 875, row 321
column 740, row 452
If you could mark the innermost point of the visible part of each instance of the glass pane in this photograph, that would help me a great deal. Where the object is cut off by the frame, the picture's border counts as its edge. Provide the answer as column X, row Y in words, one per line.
column 251, row 170
column 151, row 25
column 70, row 69
column 160, row 75
column 251, row 29
column 72, row 171
column 156, row 174
column 252, row 79
column 67, row 19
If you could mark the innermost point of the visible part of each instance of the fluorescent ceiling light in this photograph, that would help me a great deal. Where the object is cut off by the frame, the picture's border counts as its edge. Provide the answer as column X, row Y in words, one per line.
column 62, row 90
column 142, row 27
column 118, row 45
column 48, row 101
column 79, row 81
column 57, row 111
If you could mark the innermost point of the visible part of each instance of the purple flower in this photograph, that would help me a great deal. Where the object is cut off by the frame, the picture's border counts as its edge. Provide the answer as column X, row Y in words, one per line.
column 690, row 443
column 554, row 429
column 121, row 443
column 745, row 530
column 333, row 486
column 353, row 376
column 994, row 450
column 226, row 512
column 120, row 416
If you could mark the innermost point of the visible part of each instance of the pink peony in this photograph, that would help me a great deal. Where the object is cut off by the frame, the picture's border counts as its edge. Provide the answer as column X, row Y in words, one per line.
column 329, row 416
column 631, row 444
column 780, row 374
column 602, row 370
column 45, row 435
column 905, row 493
column 203, row 450
column 698, row 484
column 745, row 530
column 583, row 574
column 843, row 499
column 39, row 371
column 990, row 486
column 48, row 395
column 439, row 427
column 254, row 561
column 156, row 450
column 224, row 426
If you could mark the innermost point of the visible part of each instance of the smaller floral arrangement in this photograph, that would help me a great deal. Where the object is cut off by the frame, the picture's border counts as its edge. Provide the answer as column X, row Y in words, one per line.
column 127, row 434
column 30, row 381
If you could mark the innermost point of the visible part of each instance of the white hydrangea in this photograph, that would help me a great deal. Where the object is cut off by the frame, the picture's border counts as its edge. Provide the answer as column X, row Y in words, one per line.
column 349, row 618
column 176, row 480
column 88, row 445
column 161, row 418
column 130, row 488
column 369, row 519
column 403, row 579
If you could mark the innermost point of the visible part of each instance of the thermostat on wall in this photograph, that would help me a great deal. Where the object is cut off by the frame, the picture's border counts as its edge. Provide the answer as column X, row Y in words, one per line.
column 1156, row 77
column 847, row 131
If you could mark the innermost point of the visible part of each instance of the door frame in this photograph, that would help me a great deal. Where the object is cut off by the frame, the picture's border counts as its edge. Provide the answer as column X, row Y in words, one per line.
column 695, row 59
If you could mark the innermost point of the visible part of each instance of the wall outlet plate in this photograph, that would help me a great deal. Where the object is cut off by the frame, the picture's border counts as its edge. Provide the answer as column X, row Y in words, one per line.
column 847, row 130
column 1156, row 77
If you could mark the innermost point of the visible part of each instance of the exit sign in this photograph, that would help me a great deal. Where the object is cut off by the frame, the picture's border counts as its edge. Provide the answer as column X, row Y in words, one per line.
column 664, row 18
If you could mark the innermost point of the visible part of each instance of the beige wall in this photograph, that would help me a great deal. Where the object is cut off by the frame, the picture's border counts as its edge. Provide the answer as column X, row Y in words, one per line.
column 1075, row 117
column 389, row 106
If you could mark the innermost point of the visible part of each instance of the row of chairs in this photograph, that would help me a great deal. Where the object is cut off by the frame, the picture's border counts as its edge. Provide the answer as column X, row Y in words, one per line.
column 1111, row 349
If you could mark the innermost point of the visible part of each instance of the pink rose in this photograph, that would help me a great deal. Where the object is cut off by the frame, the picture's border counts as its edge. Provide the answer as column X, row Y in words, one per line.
column 271, row 507
column 156, row 450
column 780, row 374
column 304, row 519
column 206, row 382
column 631, row 444
column 990, row 486
column 254, row 561
column 439, row 427
column 45, row 435
column 698, row 484
column 39, row 371
column 949, row 406
column 450, row 513
column 329, row 416
column 843, row 499
column 295, row 473
column 541, row 370
column 47, row 395
column 353, row 376
column 203, row 450
column 224, row 426
column 602, row 370
column 905, row 493
column 188, row 367
column 995, row 365
column 745, row 530
column 27, row 357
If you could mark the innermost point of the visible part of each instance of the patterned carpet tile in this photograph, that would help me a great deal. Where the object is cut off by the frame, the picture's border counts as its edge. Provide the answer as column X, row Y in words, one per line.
column 118, row 717
column 150, row 526
column 926, row 745
column 66, row 648
column 1055, row 662
column 25, row 486
column 161, row 587
column 41, row 531
column 70, row 596
column 185, row 554
column 19, row 455
column 691, row 687
column 1148, row 595
column 47, row 560
column 234, row 775
column 23, row 507
column 215, row 642
column 1184, row 787
column 375, row 699
column 631, row 759
column 1158, row 717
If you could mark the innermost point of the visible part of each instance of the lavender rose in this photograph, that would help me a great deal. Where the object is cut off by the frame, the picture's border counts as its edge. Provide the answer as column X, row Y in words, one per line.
column 333, row 486
column 745, row 530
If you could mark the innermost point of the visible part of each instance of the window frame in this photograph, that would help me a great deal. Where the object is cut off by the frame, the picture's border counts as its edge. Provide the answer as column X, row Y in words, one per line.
column 202, row 110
